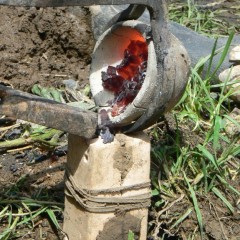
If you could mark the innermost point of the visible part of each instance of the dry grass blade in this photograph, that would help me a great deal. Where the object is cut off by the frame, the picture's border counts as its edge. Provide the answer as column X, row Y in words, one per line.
column 182, row 218
column 226, row 202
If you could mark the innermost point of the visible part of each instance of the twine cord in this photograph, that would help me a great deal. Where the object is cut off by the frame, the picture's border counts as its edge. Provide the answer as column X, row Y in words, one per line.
column 92, row 202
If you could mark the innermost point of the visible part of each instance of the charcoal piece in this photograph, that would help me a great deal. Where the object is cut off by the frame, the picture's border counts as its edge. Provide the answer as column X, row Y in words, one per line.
column 106, row 135
column 126, row 79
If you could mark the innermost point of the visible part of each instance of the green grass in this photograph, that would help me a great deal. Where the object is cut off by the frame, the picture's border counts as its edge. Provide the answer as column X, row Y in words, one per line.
column 130, row 235
column 207, row 165
column 19, row 216
column 195, row 169
column 203, row 21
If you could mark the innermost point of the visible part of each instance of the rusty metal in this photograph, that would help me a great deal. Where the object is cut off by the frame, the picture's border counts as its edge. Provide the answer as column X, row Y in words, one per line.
column 46, row 112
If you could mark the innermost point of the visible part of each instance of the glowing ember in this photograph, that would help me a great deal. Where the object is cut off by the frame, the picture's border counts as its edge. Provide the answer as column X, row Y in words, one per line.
column 126, row 79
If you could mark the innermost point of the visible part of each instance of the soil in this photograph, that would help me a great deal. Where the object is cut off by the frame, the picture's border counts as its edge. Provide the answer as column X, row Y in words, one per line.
column 44, row 45
column 47, row 46
column 44, row 178
column 218, row 223
column 118, row 228
column 122, row 159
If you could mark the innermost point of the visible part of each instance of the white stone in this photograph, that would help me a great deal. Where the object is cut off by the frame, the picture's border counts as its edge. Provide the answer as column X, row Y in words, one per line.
column 232, row 128
column 234, row 55
column 232, row 75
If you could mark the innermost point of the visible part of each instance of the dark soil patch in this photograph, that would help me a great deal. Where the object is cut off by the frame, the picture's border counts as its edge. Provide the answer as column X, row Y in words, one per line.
column 40, row 181
column 218, row 222
column 118, row 228
column 44, row 45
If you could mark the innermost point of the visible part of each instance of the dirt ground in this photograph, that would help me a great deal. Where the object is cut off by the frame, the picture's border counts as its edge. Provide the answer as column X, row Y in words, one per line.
column 44, row 45
column 47, row 46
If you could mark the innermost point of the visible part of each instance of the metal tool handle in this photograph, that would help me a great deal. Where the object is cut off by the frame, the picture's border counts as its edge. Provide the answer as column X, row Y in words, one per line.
column 46, row 112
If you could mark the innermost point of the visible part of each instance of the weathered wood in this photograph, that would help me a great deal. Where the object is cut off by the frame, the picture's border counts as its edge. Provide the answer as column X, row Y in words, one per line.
column 46, row 112
column 120, row 170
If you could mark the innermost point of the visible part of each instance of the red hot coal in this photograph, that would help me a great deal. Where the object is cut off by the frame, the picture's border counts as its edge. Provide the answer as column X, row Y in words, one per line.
column 126, row 79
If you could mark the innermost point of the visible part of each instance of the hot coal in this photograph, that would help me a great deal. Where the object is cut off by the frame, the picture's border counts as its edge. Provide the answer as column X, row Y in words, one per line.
column 111, row 80
column 126, row 79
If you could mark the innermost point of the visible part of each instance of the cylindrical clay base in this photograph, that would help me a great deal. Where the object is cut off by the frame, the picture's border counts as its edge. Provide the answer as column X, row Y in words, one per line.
column 95, row 166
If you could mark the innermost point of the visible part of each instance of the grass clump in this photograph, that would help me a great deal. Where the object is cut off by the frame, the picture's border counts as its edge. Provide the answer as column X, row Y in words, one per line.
column 195, row 159
column 204, row 21
column 21, row 216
